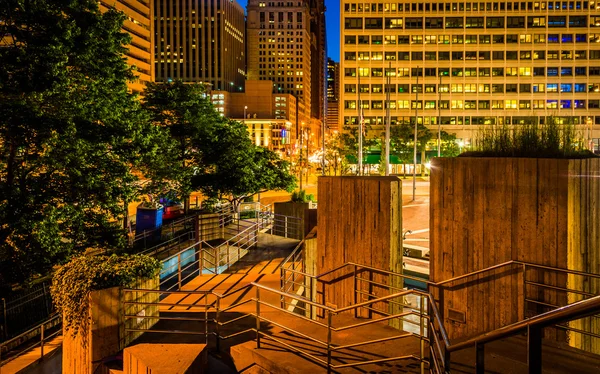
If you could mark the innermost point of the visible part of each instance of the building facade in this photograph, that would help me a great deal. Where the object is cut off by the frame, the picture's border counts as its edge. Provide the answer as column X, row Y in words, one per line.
column 333, row 94
column 200, row 42
column 464, row 65
column 280, row 44
column 271, row 117
column 140, row 26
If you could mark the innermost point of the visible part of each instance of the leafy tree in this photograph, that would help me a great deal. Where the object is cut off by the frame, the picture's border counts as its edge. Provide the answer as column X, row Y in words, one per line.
column 402, row 140
column 185, row 112
column 449, row 146
column 238, row 169
column 71, row 134
column 335, row 155
column 349, row 141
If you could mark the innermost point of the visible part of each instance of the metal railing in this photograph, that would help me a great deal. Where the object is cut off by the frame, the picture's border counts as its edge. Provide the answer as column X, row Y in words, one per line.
column 202, row 302
column 440, row 347
column 46, row 330
column 280, row 225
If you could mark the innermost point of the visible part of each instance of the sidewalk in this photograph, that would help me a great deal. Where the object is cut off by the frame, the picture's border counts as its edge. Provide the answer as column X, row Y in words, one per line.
column 27, row 362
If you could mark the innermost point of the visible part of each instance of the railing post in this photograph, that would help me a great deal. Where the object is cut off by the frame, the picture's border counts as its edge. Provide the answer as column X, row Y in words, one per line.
column 206, row 319
column 228, row 259
column 217, row 329
column 328, row 342
column 534, row 349
column 422, row 332
column 524, row 267
column 281, row 286
column 42, row 341
column 446, row 360
column 355, row 293
column 5, row 322
column 179, row 269
column 479, row 358
column 257, row 317
column 285, row 225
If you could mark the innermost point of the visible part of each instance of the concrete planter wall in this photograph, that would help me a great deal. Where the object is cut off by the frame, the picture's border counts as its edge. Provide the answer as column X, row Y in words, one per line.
column 106, row 335
column 485, row 211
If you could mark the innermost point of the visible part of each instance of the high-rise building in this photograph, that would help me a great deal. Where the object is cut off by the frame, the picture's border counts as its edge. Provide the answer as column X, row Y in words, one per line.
column 280, row 49
column 200, row 41
column 333, row 94
column 464, row 64
column 139, row 25
column 318, row 52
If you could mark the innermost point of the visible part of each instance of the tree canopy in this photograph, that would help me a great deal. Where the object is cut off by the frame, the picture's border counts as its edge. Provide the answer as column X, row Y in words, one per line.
column 214, row 154
column 71, row 133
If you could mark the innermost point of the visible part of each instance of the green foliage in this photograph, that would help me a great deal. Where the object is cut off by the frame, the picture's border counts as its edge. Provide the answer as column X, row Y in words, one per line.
column 402, row 139
column 73, row 282
column 449, row 146
column 301, row 197
column 185, row 112
column 71, row 133
column 238, row 169
column 552, row 140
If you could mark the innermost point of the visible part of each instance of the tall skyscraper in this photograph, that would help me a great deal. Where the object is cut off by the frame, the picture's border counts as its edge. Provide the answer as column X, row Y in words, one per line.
column 139, row 25
column 333, row 94
column 280, row 49
column 200, row 41
column 469, row 64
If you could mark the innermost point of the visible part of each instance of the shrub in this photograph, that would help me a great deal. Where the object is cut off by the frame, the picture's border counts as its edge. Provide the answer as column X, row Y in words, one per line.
column 552, row 140
column 301, row 197
column 73, row 282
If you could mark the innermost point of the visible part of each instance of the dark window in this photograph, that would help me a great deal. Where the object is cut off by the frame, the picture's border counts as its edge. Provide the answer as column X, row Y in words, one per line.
column 538, row 72
column 524, row 88
column 498, row 55
column 416, row 56
column 475, row 22
column 350, row 39
column 454, row 22
column 434, row 22
column 515, row 22
column 373, row 23
column 557, row 21
column 577, row 21
column 413, row 23
column 457, row 55
column 495, row 22
column 363, row 39
column 353, row 23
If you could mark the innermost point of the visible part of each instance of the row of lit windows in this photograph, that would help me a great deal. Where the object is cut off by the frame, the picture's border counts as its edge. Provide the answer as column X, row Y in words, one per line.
column 471, row 39
column 489, row 22
column 523, row 71
column 473, row 88
column 470, row 120
column 281, row 16
column 499, row 55
column 475, row 104
column 470, row 6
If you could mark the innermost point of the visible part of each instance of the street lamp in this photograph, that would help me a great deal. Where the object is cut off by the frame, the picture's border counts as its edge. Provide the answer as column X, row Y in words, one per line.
column 245, row 108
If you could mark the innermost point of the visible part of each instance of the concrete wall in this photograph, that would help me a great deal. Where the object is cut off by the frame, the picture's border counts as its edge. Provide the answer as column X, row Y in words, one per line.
column 360, row 221
column 485, row 211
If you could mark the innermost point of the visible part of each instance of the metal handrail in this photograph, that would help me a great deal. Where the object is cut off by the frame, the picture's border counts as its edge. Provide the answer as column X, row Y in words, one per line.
column 566, row 313
column 43, row 337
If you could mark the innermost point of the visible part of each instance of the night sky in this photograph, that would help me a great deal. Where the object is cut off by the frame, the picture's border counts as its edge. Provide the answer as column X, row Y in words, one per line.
column 332, row 16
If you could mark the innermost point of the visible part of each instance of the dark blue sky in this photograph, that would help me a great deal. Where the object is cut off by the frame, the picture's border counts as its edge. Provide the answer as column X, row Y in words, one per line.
column 332, row 16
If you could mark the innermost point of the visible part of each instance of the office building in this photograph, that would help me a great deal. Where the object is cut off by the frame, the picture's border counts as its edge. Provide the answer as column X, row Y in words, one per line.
column 271, row 117
column 139, row 25
column 333, row 94
column 470, row 64
column 280, row 49
column 200, row 42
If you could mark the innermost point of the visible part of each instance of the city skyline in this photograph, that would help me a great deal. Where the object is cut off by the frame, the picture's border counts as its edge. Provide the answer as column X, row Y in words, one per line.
column 332, row 16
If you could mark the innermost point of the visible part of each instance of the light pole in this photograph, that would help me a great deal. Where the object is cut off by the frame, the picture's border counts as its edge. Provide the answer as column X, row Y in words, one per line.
column 439, row 142
column 245, row 108
column 415, row 140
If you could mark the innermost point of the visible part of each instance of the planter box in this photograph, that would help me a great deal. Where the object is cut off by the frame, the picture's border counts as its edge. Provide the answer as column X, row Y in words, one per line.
column 485, row 211
column 106, row 335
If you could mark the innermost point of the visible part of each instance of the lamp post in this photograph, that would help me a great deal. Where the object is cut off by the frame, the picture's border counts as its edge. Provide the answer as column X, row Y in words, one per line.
column 245, row 108
column 439, row 140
